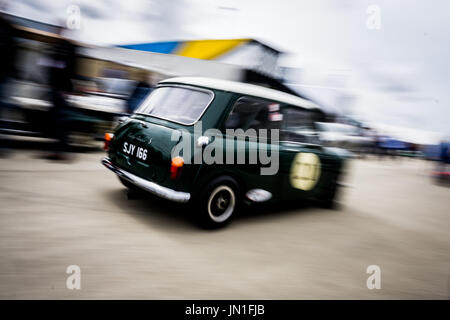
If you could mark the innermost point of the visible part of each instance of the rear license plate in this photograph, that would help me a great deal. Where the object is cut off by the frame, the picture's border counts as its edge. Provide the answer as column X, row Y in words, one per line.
column 135, row 151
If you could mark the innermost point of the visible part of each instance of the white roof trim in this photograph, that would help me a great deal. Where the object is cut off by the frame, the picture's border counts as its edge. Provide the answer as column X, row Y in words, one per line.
column 244, row 88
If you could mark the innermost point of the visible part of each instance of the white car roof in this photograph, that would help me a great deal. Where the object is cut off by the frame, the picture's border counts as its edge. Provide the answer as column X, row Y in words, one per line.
column 244, row 88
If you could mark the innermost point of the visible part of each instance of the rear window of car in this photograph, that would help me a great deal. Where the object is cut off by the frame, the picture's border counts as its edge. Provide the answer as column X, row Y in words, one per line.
column 178, row 104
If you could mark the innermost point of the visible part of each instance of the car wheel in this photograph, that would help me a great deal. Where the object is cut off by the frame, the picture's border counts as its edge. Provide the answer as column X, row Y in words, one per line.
column 328, row 200
column 218, row 203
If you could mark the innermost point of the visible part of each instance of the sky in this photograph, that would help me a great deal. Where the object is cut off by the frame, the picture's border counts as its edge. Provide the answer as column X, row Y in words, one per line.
column 395, row 74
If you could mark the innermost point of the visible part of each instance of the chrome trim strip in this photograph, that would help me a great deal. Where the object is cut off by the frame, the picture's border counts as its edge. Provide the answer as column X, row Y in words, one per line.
column 302, row 144
column 163, row 192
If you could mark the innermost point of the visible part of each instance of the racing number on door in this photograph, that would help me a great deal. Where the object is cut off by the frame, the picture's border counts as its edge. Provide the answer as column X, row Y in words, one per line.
column 305, row 171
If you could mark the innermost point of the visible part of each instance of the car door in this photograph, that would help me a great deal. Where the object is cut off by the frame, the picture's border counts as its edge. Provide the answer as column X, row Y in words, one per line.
column 302, row 161
column 248, row 129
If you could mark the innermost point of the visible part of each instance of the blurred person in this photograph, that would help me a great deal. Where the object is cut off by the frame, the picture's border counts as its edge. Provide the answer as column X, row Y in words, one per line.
column 441, row 173
column 7, row 50
column 7, row 60
column 61, row 72
column 142, row 90
column 445, row 155
column 137, row 96
column 445, row 152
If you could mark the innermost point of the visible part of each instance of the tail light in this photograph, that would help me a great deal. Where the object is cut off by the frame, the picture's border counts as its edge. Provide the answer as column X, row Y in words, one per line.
column 107, row 140
column 176, row 167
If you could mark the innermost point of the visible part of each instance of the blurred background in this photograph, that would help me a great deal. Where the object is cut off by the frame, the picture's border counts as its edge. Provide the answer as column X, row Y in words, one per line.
column 70, row 70
column 377, row 69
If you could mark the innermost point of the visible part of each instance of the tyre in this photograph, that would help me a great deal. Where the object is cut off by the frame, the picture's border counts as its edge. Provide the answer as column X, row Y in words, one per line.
column 328, row 200
column 218, row 203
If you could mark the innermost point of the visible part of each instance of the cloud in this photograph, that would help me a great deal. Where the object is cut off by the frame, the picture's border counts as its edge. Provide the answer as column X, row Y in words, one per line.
column 92, row 11
column 390, row 71
column 37, row 5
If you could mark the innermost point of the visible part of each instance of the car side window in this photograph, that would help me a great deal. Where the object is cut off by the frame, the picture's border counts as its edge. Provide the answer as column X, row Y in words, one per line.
column 298, row 125
column 254, row 113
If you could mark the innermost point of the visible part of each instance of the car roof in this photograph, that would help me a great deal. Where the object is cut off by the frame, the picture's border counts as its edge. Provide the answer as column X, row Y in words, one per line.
column 244, row 88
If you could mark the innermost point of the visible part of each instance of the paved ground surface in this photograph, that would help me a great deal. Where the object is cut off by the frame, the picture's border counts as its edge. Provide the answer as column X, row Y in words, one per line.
column 53, row 215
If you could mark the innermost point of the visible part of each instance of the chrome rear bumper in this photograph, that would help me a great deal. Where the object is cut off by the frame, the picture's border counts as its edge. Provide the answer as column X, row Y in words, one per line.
column 160, row 191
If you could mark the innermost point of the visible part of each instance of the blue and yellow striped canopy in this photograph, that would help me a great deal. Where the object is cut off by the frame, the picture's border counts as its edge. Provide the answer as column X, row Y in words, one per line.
column 200, row 49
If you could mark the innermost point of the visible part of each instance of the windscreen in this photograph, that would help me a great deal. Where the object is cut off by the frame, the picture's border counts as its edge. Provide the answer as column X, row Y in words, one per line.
column 178, row 104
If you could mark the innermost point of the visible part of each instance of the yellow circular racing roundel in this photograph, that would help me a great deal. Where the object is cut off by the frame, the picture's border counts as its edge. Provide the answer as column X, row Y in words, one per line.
column 305, row 171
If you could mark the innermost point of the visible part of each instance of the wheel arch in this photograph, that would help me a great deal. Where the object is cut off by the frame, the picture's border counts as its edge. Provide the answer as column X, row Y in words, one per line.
column 216, row 175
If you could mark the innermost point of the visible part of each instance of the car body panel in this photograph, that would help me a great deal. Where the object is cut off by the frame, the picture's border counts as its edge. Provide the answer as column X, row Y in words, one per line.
column 160, row 136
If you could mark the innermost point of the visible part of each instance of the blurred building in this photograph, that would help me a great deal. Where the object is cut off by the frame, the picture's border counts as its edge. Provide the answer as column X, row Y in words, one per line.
column 246, row 53
column 246, row 60
column 107, row 76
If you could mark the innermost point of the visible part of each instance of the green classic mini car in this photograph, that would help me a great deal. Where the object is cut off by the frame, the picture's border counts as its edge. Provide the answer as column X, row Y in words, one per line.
column 217, row 144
